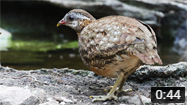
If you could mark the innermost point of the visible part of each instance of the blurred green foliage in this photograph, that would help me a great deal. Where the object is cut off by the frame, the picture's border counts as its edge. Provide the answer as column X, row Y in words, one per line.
column 36, row 45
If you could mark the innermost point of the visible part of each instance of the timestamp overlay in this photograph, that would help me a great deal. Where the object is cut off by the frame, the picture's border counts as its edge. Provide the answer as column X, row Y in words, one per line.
column 167, row 94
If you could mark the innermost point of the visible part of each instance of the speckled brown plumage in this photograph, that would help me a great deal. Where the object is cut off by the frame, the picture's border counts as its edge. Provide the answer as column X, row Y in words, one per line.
column 114, row 46
column 114, row 39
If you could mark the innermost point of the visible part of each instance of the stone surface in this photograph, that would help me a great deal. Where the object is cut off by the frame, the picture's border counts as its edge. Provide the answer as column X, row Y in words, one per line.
column 147, row 71
column 50, row 102
column 161, row 5
column 136, row 100
column 145, row 10
column 66, row 100
column 68, row 86
column 14, row 95
column 31, row 101
column 180, row 43
column 100, row 8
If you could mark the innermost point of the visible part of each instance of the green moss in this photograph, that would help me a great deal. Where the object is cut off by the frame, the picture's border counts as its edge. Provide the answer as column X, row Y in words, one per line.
column 36, row 45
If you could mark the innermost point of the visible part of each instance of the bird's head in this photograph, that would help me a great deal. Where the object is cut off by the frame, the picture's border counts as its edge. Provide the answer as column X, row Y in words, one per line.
column 77, row 19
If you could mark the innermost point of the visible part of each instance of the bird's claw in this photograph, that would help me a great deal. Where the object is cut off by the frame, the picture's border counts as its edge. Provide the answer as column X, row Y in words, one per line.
column 120, row 91
column 126, row 90
column 103, row 98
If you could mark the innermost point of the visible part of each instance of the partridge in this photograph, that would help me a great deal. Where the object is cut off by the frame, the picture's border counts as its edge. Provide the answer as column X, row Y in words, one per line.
column 112, row 46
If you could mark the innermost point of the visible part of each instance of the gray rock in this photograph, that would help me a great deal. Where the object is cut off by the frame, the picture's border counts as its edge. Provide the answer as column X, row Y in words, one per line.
column 13, row 95
column 160, row 5
column 136, row 100
column 66, row 100
column 6, row 103
column 39, row 94
column 21, row 96
column 100, row 8
column 62, row 99
column 31, row 101
column 62, row 103
column 86, row 81
column 180, row 43
column 149, row 11
column 50, row 102
column 124, row 98
column 147, row 71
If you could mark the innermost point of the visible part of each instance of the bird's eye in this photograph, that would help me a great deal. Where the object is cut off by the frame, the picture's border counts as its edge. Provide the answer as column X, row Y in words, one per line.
column 71, row 18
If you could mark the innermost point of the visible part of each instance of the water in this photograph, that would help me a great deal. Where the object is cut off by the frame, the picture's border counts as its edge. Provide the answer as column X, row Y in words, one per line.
column 38, row 43
column 25, row 59
column 29, row 60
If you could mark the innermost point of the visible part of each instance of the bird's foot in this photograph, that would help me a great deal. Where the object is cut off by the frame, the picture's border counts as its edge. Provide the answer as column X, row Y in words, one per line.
column 122, row 91
column 126, row 90
column 103, row 98
column 110, row 95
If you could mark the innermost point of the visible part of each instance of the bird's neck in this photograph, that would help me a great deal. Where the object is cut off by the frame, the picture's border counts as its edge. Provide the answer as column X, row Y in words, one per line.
column 83, row 24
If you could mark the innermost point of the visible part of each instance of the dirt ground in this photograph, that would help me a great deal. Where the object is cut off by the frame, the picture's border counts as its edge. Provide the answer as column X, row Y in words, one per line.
column 78, row 85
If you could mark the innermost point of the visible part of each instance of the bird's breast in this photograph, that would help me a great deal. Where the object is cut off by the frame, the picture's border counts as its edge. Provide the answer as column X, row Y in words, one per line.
column 111, row 66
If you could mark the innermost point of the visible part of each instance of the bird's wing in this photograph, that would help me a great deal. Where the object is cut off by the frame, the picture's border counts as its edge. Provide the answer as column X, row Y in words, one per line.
column 110, row 35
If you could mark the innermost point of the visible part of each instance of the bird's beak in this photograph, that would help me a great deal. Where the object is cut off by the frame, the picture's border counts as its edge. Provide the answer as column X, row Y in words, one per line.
column 61, row 22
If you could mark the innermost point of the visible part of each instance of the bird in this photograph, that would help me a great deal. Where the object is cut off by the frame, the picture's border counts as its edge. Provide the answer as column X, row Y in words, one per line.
column 112, row 46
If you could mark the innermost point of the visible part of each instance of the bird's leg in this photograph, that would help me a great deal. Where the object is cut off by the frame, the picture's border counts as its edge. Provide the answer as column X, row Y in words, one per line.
column 120, row 89
column 121, row 86
column 110, row 95
column 122, row 83
column 124, row 79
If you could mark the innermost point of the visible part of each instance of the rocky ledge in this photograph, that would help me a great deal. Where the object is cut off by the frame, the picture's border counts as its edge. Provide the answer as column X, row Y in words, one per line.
column 67, row 86
column 148, row 11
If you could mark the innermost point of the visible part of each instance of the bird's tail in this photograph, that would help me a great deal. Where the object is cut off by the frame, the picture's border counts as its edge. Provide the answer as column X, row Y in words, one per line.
column 151, row 57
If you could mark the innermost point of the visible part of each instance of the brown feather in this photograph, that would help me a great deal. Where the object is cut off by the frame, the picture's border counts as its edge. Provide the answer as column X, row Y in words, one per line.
column 133, row 36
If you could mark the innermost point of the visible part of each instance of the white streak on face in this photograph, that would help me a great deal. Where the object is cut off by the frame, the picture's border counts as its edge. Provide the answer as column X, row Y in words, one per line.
column 80, row 16
column 74, row 24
